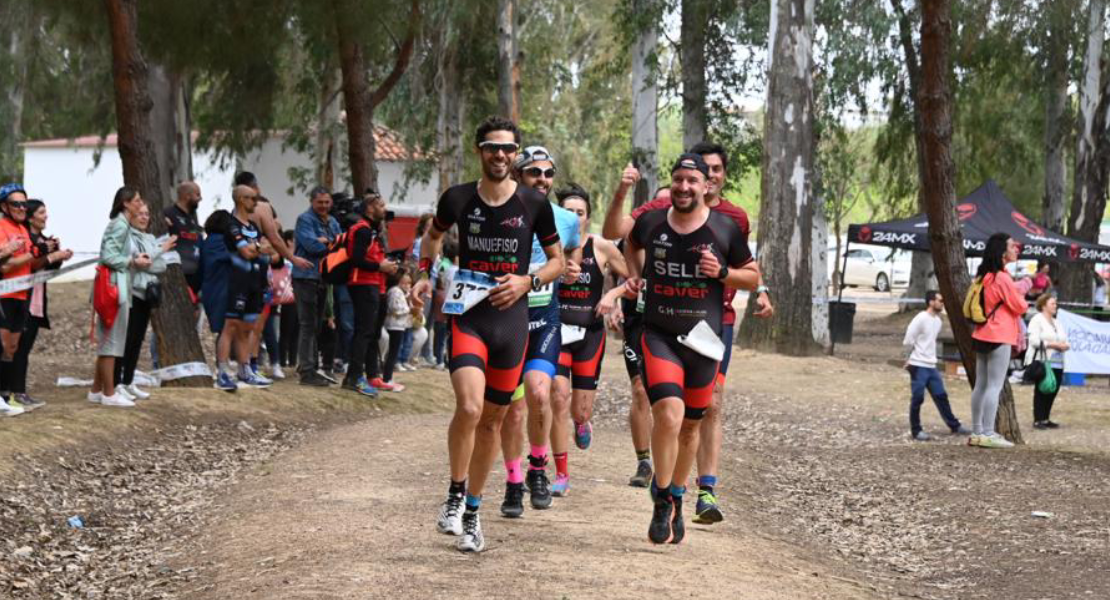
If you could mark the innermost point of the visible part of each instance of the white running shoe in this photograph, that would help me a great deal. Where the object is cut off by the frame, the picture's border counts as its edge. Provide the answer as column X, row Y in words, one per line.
column 94, row 397
column 137, row 393
column 277, row 373
column 472, row 539
column 121, row 390
column 450, row 515
column 117, row 400
column 994, row 440
column 9, row 411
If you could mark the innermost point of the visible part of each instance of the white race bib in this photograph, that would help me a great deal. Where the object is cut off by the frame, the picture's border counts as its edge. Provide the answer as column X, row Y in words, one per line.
column 466, row 289
column 640, row 299
column 702, row 340
column 571, row 334
column 541, row 297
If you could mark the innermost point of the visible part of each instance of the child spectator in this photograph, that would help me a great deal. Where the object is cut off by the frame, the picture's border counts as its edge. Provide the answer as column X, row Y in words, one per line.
column 398, row 319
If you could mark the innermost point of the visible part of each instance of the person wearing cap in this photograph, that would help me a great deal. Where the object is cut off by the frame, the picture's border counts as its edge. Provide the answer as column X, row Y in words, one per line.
column 535, row 168
column 687, row 256
column 617, row 225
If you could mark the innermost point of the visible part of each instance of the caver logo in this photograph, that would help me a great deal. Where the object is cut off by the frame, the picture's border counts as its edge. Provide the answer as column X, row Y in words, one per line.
column 1073, row 251
column 1024, row 222
column 517, row 221
column 891, row 237
column 966, row 210
column 865, row 234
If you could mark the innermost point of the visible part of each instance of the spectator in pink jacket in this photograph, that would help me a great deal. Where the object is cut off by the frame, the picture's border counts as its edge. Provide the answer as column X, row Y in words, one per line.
column 995, row 339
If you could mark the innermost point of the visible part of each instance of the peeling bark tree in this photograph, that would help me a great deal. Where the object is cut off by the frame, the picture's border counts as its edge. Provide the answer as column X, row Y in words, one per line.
column 945, row 235
column 326, row 145
column 786, row 214
column 695, row 21
column 19, row 50
column 171, row 128
column 451, row 116
column 358, row 98
column 1089, row 196
column 1056, row 116
column 645, row 106
column 174, row 321
column 508, row 61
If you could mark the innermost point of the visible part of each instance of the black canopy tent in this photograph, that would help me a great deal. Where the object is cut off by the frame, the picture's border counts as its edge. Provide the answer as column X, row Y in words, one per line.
column 982, row 213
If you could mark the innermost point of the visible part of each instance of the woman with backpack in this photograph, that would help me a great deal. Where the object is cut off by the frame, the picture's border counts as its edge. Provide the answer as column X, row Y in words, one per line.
column 1003, row 306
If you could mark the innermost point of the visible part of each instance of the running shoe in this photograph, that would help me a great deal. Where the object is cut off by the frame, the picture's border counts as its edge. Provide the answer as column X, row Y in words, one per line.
column 513, row 506
column 327, row 377
column 362, row 386
column 28, row 402
column 314, row 380
column 7, row 410
column 14, row 402
column 642, row 478
column 994, row 441
column 961, row 430
column 135, row 391
column 450, row 515
column 1051, row 424
column 472, row 539
column 277, row 373
column 678, row 526
column 706, row 511
column 254, row 380
column 225, row 382
column 386, row 386
column 921, row 436
column 974, row 439
column 121, row 390
column 659, row 531
column 94, row 397
column 538, row 488
column 561, row 485
column 116, row 400
column 583, row 434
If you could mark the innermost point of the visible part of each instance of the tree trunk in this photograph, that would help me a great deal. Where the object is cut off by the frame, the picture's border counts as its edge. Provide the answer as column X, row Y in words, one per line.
column 695, row 21
column 449, row 121
column 1088, row 197
column 359, row 99
column 508, row 71
column 945, row 235
column 786, row 215
column 645, row 108
column 1056, row 119
column 326, row 147
column 20, row 37
column 819, row 263
column 174, row 321
column 171, row 127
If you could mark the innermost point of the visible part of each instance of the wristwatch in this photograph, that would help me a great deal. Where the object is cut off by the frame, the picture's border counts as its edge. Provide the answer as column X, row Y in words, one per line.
column 536, row 283
column 723, row 273
column 762, row 289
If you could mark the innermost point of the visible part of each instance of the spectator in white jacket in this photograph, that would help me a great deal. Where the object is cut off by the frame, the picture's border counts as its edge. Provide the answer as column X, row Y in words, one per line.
column 1047, row 331
column 921, row 347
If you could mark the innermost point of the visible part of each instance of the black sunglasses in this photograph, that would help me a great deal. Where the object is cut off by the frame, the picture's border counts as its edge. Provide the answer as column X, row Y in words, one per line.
column 536, row 172
column 17, row 204
column 495, row 147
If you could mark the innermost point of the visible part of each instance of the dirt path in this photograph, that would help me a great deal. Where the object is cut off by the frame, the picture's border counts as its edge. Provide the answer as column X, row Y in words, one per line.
column 349, row 515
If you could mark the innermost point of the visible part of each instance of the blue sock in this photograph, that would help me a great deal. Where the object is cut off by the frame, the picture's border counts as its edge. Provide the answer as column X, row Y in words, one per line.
column 677, row 492
column 707, row 481
column 473, row 503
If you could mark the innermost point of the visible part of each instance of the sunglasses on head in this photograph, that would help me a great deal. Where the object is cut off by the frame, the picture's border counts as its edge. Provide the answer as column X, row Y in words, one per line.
column 495, row 147
column 536, row 172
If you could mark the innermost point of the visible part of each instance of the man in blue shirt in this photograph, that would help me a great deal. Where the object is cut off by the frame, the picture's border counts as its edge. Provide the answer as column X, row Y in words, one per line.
column 316, row 229
column 535, row 168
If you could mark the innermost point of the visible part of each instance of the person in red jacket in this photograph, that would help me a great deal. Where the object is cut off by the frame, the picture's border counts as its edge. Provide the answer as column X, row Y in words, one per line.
column 369, row 266
column 1004, row 305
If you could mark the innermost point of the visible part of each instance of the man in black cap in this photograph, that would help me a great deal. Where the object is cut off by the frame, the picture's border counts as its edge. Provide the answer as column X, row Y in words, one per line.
column 688, row 255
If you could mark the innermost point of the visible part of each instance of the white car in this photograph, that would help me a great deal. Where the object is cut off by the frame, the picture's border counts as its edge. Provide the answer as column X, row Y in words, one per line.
column 876, row 267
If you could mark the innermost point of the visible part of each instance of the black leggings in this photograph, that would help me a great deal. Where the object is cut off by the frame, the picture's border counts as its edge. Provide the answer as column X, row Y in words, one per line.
column 364, row 346
column 137, row 321
column 1042, row 402
column 395, row 338
column 287, row 338
column 21, row 360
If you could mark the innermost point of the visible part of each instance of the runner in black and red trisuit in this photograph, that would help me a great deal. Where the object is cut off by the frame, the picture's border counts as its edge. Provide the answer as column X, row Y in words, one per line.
column 496, row 220
column 689, row 255
column 582, row 308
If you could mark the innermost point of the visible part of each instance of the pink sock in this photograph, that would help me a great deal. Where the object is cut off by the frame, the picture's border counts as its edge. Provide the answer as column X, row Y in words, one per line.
column 513, row 472
column 561, row 464
column 539, row 453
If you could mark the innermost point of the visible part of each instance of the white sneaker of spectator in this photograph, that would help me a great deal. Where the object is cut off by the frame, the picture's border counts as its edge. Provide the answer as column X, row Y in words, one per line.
column 116, row 399
column 94, row 397
column 121, row 390
column 277, row 373
column 136, row 392
column 9, row 411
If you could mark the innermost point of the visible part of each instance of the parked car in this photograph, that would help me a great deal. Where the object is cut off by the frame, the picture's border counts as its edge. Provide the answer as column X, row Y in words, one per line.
column 876, row 267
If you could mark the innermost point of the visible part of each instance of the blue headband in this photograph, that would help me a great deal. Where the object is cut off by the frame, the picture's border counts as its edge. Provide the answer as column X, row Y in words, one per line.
column 8, row 189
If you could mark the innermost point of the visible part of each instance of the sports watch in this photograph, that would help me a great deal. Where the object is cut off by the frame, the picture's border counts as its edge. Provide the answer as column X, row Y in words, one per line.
column 536, row 283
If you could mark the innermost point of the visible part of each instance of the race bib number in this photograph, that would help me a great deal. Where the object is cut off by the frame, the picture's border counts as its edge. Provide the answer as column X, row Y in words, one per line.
column 702, row 340
column 571, row 334
column 466, row 290
column 541, row 297
column 640, row 300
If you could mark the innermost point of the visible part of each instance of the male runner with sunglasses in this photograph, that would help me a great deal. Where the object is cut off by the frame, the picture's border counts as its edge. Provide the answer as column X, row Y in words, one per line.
column 535, row 168
column 486, row 297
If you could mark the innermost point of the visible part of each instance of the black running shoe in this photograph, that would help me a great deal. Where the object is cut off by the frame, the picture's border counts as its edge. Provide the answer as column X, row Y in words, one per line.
column 678, row 527
column 659, row 532
column 513, row 506
column 643, row 475
column 539, row 490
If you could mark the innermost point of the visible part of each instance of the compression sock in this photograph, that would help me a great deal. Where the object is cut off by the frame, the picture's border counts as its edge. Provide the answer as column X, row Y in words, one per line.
column 457, row 488
column 513, row 474
column 707, row 483
column 561, row 464
column 660, row 493
column 473, row 503
column 254, row 363
column 537, row 459
column 643, row 454
column 677, row 492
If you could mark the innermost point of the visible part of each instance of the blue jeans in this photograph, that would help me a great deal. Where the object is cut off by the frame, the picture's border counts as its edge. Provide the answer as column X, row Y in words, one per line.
column 406, row 347
column 344, row 321
column 922, row 378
